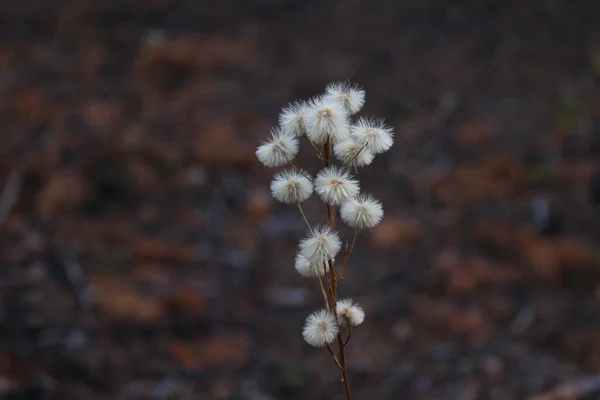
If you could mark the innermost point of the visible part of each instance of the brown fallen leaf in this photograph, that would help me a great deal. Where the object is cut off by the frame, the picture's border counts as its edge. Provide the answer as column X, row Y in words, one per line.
column 149, row 248
column 118, row 300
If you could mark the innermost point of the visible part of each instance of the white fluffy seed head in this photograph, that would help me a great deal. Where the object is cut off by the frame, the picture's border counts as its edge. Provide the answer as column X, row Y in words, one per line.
column 326, row 119
column 349, row 313
column 320, row 245
column 361, row 212
column 349, row 95
column 291, row 186
column 278, row 150
column 352, row 154
column 310, row 269
column 320, row 328
column 335, row 186
column 292, row 118
column 374, row 135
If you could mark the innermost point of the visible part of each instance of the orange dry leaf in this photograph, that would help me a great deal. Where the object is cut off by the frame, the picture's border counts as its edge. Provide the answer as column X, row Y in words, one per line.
column 62, row 190
column 474, row 133
column 147, row 248
column 217, row 351
column 185, row 354
column 102, row 114
column 218, row 144
column 118, row 300
column 396, row 230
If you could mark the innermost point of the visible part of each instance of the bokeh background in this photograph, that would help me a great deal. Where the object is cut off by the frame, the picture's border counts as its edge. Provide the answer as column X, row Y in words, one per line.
column 141, row 256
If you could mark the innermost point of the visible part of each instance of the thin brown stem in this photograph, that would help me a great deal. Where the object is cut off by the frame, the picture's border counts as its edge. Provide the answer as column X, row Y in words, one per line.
column 334, row 357
column 304, row 217
column 319, row 154
column 340, row 359
column 300, row 171
column 325, row 299
column 354, row 157
column 343, row 369
column 347, row 253
column 349, row 334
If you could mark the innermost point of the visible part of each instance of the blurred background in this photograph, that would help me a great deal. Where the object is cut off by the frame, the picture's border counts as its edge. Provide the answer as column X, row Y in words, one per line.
column 141, row 256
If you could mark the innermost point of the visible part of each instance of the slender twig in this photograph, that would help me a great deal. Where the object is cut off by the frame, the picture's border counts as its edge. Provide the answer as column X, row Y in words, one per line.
column 334, row 357
column 300, row 171
column 319, row 154
column 343, row 370
column 347, row 253
column 325, row 299
column 341, row 362
column 349, row 333
column 354, row 157
column 304, row 217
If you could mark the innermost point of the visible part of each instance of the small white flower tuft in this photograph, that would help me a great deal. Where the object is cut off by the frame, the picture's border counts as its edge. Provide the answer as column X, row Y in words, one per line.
column 320, row 245
column 335, row 186
column 349, row 314
column 291, row 186
column 375, row 136
column 320, row 328
column 350, row 96
column 352, row 154
column 361, row 212
column 292, row 118
column 280, row 149
column 326, row 119
column 310, row 269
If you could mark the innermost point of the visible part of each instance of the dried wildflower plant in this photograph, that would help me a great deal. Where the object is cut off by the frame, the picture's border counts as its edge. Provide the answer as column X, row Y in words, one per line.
column 325, row 122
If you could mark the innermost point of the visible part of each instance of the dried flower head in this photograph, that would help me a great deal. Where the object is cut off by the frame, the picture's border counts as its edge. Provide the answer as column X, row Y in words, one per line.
column 310, row 269
column 291, row 186
column 326, row 119
column 361, row 212
column 335, row 186
column 320, row 245
column 320, row 328
column 349, row 314
column 352, row 154
column 280, row 149
column 374, row 135
column 292, row 118
column 350, row 96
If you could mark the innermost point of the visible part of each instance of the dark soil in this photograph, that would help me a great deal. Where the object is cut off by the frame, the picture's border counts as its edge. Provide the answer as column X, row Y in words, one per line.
column 141, row 256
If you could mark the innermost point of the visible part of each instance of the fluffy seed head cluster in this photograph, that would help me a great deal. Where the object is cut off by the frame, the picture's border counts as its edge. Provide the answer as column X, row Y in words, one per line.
column 350, row 96
column 279, row 149
column 374, row 135
column 291, row 186
column 326, row 119
column 361, row 212
column 292, row 118
column 308, row 268
column 320, row 328
column 327, row 122
column 335, row 186
column 320, row 245
column 349, row 313
column 352, row 154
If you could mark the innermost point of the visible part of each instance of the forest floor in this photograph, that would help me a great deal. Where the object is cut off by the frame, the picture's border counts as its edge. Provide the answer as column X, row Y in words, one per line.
column 142, row 257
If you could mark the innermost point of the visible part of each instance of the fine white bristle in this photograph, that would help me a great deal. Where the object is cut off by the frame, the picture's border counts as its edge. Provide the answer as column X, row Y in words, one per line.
column 335, row 186
column 349, row 313
column 361, row 212
column 375, row 136
column 326, row 119
column 278, row 150
column 320, row 245
column 349, row 95
column 320, row 328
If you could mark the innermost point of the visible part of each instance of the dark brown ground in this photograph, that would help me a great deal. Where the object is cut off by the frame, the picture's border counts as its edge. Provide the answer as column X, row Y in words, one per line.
column 144, row 259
